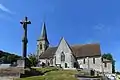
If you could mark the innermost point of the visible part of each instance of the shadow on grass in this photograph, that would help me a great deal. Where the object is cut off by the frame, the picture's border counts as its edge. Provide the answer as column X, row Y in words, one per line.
column 31, row 72
column 34, row 72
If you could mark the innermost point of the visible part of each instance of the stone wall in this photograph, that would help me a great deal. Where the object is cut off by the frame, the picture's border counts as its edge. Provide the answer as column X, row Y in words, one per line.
column 98, row 65
column 89, row 63
column 10, row 76
column 10, row 73
column 108, row 67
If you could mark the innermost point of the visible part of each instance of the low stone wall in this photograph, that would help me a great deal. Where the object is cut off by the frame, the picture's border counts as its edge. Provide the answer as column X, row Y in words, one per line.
column 10, row 73
column 11, row 76
column 8, row 78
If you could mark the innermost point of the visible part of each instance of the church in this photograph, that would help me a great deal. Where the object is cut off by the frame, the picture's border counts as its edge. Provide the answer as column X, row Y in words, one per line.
column 66, row 56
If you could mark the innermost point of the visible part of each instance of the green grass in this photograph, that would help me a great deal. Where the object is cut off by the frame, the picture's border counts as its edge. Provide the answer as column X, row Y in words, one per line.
column 47, row 69
column 54, row 75
column 118, row 77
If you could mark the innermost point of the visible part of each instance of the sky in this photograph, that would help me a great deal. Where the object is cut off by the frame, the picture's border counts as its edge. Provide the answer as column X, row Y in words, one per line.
column 78, row 21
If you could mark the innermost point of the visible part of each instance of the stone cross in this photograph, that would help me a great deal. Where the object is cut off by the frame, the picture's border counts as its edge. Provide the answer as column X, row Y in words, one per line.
column 25, row 40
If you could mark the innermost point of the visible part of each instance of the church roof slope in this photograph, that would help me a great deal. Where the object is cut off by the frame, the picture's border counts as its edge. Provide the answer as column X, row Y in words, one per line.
column 48, row 53
column 86, row 50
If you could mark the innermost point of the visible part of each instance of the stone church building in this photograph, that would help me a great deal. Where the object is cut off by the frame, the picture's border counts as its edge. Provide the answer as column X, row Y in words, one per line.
column 86, row 56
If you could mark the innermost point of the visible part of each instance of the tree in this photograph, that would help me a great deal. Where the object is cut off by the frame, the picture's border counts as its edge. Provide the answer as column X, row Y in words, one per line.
column 6, row 57
column 109, row 57
column 33, row 59
column 3, row 59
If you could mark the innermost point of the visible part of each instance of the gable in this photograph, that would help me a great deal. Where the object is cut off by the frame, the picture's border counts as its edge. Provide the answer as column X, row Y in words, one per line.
column 63, row 47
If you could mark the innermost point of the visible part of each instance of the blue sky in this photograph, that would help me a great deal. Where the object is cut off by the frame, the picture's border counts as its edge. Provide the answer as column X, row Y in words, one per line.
column 79, row 21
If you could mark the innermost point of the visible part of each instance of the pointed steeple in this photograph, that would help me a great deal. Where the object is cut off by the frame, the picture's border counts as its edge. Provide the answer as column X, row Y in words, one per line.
column 42, row 42
column 43, row 32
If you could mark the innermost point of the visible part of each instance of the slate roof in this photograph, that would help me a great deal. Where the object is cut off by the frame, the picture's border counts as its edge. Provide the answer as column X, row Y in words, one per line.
column 86, row 50
column 48, row 53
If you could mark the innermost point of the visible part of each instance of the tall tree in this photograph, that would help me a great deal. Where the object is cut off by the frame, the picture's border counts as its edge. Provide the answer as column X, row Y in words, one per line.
column 33, row 59
column 110, row 57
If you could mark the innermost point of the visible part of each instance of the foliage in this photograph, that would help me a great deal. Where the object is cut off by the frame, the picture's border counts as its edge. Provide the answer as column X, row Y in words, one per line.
column 118, row 73
column 6, row 57
column 33, row 59
column 110, row 57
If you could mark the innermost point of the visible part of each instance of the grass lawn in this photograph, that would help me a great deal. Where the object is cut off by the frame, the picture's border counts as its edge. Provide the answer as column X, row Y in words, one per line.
column 118, row 77
column 54, row 75
column 47, row 69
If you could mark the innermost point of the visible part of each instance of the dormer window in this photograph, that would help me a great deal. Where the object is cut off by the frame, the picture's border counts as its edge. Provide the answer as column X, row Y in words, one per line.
column 62, row 56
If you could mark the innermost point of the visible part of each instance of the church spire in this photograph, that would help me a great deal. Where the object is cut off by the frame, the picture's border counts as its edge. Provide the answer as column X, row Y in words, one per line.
column 44, row 33
column 42, row 42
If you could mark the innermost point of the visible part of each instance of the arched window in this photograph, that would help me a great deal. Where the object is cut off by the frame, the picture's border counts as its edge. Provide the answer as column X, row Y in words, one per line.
column 93, row 60
column 40, row 46
column 83, row 61
column 65, row 65
column 105, row 64
column 62, row 56
column 51, row 61
column 75, row 65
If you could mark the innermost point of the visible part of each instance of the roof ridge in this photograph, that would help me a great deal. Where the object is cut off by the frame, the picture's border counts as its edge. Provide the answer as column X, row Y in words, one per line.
column 84, row 44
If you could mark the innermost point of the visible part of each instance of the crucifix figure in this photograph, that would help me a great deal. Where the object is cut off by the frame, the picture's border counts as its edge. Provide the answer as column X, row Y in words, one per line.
column 24, row 40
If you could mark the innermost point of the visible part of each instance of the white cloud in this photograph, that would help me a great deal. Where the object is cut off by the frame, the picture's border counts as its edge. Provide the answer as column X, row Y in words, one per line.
column 89, row 41
column 3, row 8
column 99, row 27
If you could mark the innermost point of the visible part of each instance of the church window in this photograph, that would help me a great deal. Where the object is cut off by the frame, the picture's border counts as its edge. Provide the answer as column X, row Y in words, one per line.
column 105, row 64
column 76, row 65
column 40, row 46
column 51, row 61
column 93, row 60
column 83, row 61
column 65, row 65
column 62, row 56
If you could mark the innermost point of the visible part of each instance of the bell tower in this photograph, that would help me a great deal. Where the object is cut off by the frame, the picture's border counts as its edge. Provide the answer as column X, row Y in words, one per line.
column 42, row 42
